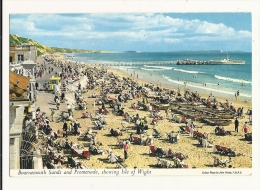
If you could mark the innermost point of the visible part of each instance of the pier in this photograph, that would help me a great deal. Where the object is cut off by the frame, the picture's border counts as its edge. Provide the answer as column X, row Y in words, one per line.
column 166, row 63
column 131, row 63
column 192, row 62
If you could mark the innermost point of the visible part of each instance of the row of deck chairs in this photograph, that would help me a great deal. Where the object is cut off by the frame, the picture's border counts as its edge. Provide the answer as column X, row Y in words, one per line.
column 221, row 131
column 55, row 160
column 94, row 149
column 142, row 140
column 115, row 132
column 159, row 152
column 178, row 118
column 177, row 163
column 224, row 150
column 103, row 111
column 221, row 163
column 78, row 150
column 203, row 139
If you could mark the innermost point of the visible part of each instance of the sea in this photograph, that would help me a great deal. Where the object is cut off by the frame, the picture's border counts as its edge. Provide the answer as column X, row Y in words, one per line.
column 161, row 69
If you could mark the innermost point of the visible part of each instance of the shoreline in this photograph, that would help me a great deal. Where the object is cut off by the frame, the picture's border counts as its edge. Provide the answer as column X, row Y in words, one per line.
column 238, row 103
column 169, row 83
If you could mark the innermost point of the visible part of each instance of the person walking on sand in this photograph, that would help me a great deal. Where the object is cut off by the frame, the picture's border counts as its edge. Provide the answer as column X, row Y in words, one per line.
column 65, row 129
column 236, row 125
column 245, row 128
column 126, row 150
column 52, row 114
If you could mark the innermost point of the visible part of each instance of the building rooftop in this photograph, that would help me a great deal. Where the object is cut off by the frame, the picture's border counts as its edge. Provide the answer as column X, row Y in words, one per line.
column 18, row 86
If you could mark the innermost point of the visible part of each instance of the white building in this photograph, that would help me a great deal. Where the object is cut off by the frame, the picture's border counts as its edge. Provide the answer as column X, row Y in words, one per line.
column 22, row 147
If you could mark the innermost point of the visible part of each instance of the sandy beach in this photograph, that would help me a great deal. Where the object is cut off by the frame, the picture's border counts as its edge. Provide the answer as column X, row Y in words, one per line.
column 197, row 156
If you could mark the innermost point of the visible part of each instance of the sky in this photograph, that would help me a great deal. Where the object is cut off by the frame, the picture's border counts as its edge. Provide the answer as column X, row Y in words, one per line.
column 155, row 32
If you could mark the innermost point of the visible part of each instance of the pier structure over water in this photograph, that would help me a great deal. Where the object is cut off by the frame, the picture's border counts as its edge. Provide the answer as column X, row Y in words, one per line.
column 162, row 63
column 192, row 62
column 132, row 63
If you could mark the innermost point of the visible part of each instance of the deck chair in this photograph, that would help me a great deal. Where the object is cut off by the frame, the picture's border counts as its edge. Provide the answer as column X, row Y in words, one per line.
column 185, row 166
column 228, row 151
column 156, row 151
column 76, row 151
column 228, row 132
column 98, row 125
column 156, row 133
column 201, row 135
column 85, row 115
column 124, row 116
column 183, row 119
column 114, row 132
column 100, row 111
column 119, row 143
column 217, row 149
column 248, row 137
column 172, row 139
column 177, row 163
column 86, row 154
column 183, row 130
column 169, row 152
column 105, row 111
column 72, row 163
column 223, row 132
column 187, row 129
column 137, row 140
column 123, row 127
column 120, row 165
column 163, row 163
column 195, row 134
column 112, row 158
column 180, row 156
column 152, row 150
column 177, row 118
column 94, row 150
column 154, row 121
column 102, row 120
column 224, row 150
column 206, row 143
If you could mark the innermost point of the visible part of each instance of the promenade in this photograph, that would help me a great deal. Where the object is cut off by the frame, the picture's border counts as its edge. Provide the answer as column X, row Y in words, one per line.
column 45, row 99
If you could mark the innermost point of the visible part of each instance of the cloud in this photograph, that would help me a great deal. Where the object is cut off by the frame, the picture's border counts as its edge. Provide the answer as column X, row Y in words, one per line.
column 172, row 40
column 152, row 28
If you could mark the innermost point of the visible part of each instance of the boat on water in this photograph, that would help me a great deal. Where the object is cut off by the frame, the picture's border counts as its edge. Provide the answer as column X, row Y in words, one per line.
column 228, row 61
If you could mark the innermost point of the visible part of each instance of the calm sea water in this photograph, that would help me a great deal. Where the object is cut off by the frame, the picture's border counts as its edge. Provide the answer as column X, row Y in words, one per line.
column 222, row 80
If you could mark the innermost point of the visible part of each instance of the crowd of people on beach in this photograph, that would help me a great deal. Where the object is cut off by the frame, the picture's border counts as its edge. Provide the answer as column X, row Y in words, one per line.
column 115, row 92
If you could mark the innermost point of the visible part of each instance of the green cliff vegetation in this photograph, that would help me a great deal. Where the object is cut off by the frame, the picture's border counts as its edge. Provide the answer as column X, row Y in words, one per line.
column 41, row 49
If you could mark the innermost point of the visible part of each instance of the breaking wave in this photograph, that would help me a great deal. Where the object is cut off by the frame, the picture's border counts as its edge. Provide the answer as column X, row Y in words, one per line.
column 233, row 80
column 187, row 71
